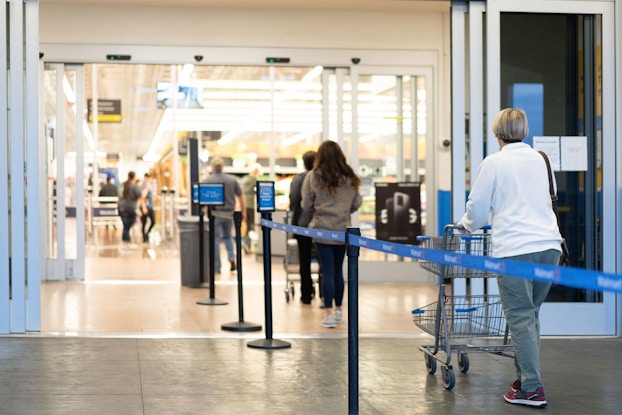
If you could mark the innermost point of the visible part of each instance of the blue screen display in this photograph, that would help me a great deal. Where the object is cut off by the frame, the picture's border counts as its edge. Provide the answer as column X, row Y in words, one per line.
column 211, row 194
column 265, row 197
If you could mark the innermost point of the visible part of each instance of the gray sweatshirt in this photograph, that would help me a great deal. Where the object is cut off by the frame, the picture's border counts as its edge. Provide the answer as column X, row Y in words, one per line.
column 330, row 212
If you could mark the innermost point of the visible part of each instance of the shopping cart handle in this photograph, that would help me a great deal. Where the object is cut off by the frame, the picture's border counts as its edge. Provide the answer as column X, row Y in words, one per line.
column 472, row 237
column 423, row 238
column 465, row 310
column 418, row 311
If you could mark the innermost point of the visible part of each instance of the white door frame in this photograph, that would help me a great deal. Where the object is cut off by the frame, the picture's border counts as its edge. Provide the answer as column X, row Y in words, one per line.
column 556, row 318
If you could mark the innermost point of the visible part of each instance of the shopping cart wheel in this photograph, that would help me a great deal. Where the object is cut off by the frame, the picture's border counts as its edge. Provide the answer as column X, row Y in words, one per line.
column 430, row 364
column 449, row 379
column 463, row 362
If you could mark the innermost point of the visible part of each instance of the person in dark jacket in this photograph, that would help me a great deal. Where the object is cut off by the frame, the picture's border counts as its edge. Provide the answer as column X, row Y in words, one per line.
column 301, row 218
column 129, row 198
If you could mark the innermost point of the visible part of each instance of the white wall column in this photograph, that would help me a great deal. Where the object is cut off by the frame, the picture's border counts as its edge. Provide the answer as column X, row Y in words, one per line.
column 20, row 254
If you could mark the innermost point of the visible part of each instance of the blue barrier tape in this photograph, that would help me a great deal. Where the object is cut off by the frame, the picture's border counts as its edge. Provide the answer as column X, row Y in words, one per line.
column 299, row 230
column 569, row 276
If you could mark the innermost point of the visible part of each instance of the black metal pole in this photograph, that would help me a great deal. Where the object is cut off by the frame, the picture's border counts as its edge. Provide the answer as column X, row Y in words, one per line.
column 353, row 323
column 212, row 253
column 239, row 325
column 268, row 342
column 201, row 247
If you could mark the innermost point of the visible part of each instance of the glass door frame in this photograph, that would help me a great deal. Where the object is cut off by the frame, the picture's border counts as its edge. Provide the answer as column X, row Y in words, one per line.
column 431, row 179
column 60, row 264
column 556, row 318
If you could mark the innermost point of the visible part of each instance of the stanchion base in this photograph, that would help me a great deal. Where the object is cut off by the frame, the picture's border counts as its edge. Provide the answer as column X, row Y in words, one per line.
column 241, row 326
column 198, row 285
column 212, row 301
column 269, row 344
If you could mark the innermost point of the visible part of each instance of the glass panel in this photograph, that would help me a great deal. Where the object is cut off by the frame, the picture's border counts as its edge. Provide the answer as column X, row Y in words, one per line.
column 49, row 95
column 386, row 140
column 67, row 177
column 550, row 58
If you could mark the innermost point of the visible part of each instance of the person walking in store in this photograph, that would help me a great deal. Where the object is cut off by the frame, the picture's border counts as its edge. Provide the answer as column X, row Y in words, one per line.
column 512, row 193
column 109, row 190
column 129, row 198
column 330, row 194
column 223, row 226
column 148, row 214
column 302, row 218
column 249, row 182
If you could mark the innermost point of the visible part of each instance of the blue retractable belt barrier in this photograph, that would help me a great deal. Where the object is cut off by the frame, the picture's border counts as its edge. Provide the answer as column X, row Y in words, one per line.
column 569, row 276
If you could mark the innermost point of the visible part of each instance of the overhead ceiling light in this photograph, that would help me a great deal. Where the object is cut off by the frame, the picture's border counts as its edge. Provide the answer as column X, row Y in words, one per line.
column 71, row 98
column 184, row 76
column 312, row 74
column 151, row 157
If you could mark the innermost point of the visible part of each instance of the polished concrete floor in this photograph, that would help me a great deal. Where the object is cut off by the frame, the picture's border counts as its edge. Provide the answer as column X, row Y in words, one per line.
column 153, row 376
column 131, row 340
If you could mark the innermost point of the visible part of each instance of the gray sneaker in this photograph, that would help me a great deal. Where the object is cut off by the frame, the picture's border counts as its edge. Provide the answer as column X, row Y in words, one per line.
column 328, row 321
column 338, row 317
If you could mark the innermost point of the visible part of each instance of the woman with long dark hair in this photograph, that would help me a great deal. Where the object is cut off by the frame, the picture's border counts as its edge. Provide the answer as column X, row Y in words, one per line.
column 330, row 193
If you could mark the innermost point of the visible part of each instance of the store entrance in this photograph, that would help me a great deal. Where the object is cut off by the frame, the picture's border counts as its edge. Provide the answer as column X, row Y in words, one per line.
column 559, row 73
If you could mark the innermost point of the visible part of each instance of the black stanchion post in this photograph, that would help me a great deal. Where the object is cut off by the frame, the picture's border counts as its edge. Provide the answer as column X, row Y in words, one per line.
column 239, row 325
column 212, row 252
column 353, row 323
column 268, row 342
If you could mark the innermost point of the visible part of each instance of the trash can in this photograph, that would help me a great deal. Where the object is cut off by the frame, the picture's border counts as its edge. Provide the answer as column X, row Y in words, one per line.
column 189, row 249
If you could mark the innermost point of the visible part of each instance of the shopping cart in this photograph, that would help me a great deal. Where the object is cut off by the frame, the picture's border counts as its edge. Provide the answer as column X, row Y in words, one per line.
column 460, row 316
column 291, row 264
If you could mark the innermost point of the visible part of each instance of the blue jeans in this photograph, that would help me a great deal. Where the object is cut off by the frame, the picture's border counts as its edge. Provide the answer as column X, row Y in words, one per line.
column 331, row 266
column 128, row 217
column 521, row 300
column 223, row 232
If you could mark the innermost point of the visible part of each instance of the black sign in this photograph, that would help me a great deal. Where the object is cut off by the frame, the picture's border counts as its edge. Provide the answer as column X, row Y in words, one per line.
column 398, row 212
column 109, row 110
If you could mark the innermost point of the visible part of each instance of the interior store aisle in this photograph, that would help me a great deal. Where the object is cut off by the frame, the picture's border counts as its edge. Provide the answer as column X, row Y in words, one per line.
column 131, row 340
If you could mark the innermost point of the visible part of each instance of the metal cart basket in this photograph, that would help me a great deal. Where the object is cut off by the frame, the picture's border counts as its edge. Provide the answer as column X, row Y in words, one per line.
column 460, row 317
column 291, row 265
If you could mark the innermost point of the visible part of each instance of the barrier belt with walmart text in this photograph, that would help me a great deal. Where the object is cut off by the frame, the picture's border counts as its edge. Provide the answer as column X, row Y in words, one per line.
column 569, row 276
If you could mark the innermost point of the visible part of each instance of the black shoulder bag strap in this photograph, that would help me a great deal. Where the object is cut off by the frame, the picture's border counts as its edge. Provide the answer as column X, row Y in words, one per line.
column 551, row 190
column 564, row 259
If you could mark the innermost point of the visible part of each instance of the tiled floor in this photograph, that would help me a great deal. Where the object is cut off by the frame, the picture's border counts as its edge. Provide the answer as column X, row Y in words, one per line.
column 130, row 340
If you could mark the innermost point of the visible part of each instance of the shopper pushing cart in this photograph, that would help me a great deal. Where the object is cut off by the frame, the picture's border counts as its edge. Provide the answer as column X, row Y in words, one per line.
column 512, row 193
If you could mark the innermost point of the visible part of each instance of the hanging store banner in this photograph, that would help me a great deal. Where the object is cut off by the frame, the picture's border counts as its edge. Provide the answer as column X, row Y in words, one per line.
column 398, row 212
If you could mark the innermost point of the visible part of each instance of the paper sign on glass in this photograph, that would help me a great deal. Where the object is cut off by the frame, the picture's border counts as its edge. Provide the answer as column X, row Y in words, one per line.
column 574, row 153
column 550, row 145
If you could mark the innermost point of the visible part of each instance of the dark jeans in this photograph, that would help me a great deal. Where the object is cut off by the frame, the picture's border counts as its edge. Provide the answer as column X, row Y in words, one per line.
column 151, row 216
column 223, row 232
column 331, row 264
column 305, row 245
column 128, row 217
